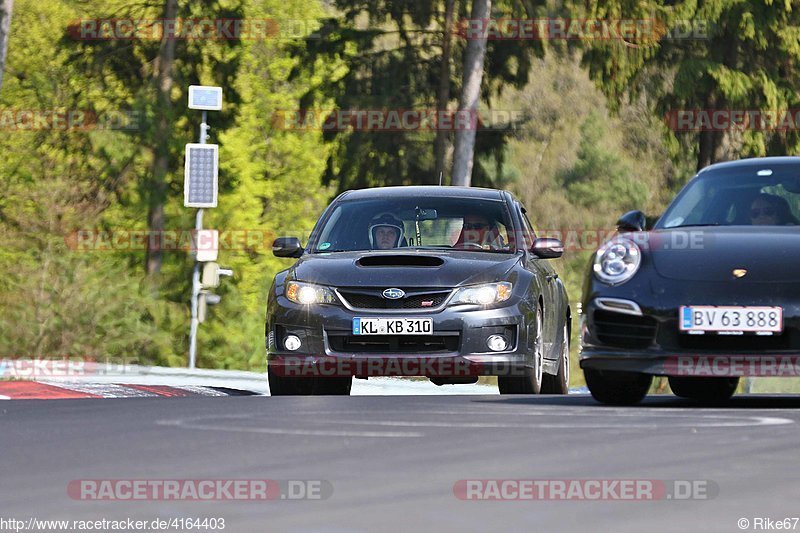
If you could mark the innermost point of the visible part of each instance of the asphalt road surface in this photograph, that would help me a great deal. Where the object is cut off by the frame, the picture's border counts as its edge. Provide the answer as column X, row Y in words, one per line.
column 401, row 463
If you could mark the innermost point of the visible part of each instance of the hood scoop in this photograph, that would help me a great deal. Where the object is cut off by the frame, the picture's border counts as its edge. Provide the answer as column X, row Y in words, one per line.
column 400, row 261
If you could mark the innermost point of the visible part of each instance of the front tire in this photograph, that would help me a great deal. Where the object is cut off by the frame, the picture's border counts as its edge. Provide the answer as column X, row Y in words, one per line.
column 704, row 389
column 332, row 386
column 307, row 386
column 617, row 388
column 530, row 382
column 559, row 384
column 288, row 386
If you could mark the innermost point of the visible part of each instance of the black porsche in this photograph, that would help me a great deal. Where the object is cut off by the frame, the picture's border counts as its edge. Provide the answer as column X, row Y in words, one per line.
column 710, row 294
column 443, row 282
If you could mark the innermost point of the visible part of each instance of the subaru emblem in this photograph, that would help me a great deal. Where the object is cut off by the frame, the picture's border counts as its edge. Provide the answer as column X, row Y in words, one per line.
column 393, row 294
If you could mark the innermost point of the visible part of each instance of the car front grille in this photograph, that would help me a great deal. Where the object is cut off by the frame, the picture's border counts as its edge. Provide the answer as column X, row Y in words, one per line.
column 735, row 343
column 414, row 299
column 391, row 344
column 624, row 331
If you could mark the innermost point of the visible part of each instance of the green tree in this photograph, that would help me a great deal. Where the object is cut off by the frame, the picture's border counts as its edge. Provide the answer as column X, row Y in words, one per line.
column 54, row 180
column 600, row 177
column 153, row 75
column 745, row 58
column 62, row 300
column 391, row 56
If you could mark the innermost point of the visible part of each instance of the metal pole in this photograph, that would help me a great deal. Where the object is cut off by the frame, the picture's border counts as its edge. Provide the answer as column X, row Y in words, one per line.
column 195, row 295
column 196, row 273
column 204, row 128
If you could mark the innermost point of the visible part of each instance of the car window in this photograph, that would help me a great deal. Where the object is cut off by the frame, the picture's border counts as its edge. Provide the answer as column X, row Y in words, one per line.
column 412, row 222
column 528, row 235
column 726, row 199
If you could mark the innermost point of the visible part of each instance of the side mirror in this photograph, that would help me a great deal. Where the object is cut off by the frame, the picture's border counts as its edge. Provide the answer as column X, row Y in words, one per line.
column 287, row 247
column 632, row 221
column 547, row 248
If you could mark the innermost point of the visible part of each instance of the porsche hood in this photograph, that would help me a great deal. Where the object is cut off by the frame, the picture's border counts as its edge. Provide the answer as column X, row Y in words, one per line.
column 766, row 253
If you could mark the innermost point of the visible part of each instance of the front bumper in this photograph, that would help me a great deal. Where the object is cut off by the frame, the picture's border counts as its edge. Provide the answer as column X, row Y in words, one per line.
column 653, row 344
column 456, row 348
column 698, row 365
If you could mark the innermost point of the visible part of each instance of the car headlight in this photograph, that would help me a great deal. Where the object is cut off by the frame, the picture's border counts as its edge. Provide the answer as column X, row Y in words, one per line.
column 617, row 261
column 308, row 294
column 490, row 293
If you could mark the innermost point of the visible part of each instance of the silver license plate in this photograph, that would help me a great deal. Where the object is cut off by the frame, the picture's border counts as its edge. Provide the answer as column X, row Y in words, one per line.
column 392, row 326
column 731, row 319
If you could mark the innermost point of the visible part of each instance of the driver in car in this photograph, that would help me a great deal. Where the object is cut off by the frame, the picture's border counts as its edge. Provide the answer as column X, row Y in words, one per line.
column 385, row 232
column 771, row 210
column 478, row 231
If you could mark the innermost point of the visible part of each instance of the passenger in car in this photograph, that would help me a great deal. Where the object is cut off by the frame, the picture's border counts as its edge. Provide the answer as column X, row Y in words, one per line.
column 386, row 232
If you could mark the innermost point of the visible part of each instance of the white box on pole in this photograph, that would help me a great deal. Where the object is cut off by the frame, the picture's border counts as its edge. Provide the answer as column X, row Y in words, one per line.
column 206, row 245
column 205, row 98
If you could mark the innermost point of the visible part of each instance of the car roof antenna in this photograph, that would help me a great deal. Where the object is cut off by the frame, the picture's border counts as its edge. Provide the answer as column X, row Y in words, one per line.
column 440, row 178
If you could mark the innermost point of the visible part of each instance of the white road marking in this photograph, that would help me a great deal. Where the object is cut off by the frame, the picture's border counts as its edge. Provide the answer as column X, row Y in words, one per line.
column 609, row 412
column 202, row 391
column 4, row 397
column 119, row 390
column 104, row 390
column 670, row 420
column 702, row 422
column 191, row 424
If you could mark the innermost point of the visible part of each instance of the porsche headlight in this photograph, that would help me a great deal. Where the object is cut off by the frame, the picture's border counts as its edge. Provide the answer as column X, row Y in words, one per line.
column 308, row 294
column 617, row 261
column 490, row 293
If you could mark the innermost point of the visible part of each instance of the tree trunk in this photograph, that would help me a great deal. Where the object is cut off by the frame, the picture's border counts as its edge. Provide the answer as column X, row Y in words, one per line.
column 705, row 155
column 443, row 93
column 158, row 185
column 470, row 95
column 715, row 146
column 6, row 7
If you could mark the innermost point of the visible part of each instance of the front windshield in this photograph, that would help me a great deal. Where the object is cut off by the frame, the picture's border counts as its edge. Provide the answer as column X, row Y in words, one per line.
column 414, row 222
column 742, row 197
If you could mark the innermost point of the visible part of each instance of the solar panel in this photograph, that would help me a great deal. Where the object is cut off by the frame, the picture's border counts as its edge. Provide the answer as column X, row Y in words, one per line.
column 201, row 174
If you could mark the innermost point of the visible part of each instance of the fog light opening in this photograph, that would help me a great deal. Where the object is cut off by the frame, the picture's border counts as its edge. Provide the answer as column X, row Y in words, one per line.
column 497, row 343
column 291, row 342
